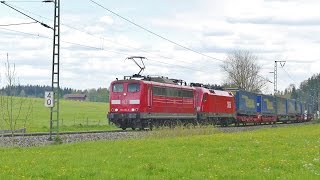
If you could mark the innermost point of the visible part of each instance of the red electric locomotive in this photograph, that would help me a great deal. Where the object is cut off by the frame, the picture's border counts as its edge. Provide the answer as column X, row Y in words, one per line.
column 140, row 102
column 214, row 106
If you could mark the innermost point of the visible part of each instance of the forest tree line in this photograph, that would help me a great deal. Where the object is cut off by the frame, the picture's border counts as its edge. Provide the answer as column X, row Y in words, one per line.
column 308, row 91
column 37, row 91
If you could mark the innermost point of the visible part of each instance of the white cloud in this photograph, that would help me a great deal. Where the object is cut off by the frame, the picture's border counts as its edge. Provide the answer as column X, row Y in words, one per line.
column 106, row 20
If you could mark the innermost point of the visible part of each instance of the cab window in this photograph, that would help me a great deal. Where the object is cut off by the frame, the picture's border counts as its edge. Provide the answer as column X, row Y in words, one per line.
column 117, row 88
column 134, row 87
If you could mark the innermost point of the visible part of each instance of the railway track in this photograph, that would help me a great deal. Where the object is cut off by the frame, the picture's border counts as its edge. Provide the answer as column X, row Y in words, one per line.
column 41, row 139
column 61, row 133
column 254, row 127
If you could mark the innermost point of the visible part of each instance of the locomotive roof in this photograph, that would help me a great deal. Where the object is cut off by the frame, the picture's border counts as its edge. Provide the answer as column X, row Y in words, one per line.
column 215, row 92
column 164, row 82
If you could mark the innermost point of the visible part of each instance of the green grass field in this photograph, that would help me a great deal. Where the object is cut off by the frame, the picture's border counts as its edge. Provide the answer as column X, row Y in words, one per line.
column 285, row 153
column 74, row 115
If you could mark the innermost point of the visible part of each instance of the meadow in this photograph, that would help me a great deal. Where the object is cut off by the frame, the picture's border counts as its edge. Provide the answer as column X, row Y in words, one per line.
column 291, row 152
column 74, row 115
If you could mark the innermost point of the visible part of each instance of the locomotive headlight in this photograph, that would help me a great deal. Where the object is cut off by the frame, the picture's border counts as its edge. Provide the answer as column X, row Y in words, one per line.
column 136, row 109
column 116, row 110
column 132, row 109
column 112, row 110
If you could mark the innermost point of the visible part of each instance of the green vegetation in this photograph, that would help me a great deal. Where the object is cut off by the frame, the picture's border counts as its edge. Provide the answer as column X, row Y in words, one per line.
column 74, row 115
column 286, row 153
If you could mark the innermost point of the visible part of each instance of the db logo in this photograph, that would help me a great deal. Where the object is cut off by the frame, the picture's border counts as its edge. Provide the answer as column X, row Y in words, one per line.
column 228, row 104
column 124, row 102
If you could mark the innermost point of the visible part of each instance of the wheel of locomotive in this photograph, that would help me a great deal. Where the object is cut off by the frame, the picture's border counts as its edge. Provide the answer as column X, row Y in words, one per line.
column 123, row 125
column 237, row 124
column 133, row 126
column 224, row 122
column 141, row 128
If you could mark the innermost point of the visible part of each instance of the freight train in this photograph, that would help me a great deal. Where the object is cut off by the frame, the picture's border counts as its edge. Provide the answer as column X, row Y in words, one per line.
column 147, row 102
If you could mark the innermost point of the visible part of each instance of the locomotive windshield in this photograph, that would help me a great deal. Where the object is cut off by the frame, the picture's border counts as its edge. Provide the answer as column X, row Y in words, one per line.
column 135, row 87
column 117, row 88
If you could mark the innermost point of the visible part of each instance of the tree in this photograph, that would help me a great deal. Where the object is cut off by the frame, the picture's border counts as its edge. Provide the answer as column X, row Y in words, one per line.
column 98, row 95
column 13, row 111
column 243, row 71
column 294, row 93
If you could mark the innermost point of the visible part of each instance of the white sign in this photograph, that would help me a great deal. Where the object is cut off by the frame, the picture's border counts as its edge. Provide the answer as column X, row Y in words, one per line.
column 49, row 101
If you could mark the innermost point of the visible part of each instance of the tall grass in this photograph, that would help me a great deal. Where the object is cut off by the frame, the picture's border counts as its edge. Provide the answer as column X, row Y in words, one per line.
column 182, row 131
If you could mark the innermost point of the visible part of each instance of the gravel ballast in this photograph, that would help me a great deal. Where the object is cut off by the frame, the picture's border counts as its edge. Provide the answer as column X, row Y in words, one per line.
column 42, row 140
column 29, row 141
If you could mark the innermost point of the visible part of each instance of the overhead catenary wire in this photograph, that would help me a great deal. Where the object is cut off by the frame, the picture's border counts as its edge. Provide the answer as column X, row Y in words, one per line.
column 25, row 1
column 116, row 52
column 289, row 75
column 101, row 37
column 42, row 36
column 17, row 24
column 98, row 48
column 98, row 37
column 151, row 32
column 160, row 36
column 43, row 24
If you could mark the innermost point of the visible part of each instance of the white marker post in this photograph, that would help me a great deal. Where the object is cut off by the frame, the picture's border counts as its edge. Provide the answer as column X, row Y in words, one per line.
column 49, row 101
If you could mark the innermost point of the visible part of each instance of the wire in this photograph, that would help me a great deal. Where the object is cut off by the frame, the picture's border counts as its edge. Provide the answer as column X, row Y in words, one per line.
column 38, row 35
column 24, row 1
column 17, row 7
column 100, row 37
column 149, row 31
column 16, row 24
column 43, row 24
column 97, row 48
column 137, row 48
column 289, row 75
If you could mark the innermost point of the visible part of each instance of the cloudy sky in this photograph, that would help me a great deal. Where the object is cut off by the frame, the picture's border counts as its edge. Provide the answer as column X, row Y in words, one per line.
column 95, row 42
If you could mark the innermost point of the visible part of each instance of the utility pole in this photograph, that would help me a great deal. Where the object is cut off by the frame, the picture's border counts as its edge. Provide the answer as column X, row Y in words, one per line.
column 275, row 73
column 55, row 86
